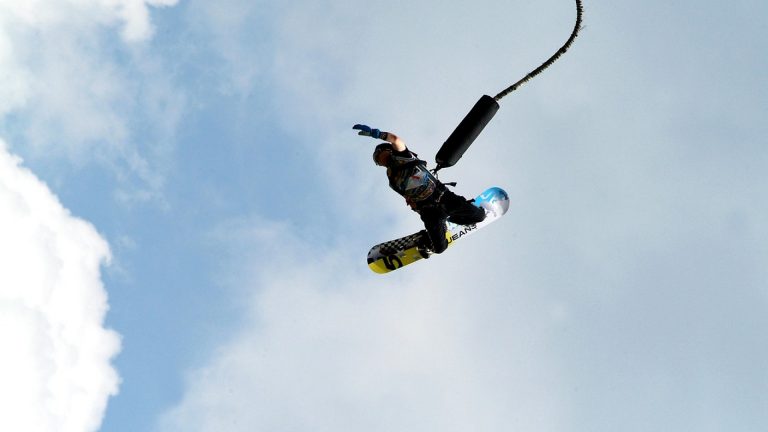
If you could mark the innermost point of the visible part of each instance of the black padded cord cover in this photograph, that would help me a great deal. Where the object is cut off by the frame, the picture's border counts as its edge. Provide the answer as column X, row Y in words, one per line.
column 466, row 132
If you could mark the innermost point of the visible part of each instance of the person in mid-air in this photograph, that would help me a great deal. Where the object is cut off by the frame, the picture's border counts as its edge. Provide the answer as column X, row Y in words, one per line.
column 423, row 192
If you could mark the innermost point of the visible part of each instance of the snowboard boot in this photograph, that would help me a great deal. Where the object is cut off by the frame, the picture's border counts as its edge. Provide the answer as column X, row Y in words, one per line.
column 424, row 245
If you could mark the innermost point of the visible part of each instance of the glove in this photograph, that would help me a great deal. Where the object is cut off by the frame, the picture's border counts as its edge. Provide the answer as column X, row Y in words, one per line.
column 367, row 131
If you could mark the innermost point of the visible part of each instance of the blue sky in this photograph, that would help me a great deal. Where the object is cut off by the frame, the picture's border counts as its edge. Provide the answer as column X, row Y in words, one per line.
column 186, row 210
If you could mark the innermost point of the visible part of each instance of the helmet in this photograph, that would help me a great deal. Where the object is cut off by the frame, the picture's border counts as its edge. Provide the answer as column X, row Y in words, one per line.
column 381, row 148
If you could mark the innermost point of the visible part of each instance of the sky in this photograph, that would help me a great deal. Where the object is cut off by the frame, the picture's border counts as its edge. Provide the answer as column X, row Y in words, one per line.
column 185, row 213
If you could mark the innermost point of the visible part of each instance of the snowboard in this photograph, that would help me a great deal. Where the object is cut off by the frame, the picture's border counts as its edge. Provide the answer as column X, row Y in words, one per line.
column 394, row 254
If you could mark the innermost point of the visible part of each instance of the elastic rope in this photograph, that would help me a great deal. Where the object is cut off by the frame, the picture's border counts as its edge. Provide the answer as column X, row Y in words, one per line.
column 546, row 64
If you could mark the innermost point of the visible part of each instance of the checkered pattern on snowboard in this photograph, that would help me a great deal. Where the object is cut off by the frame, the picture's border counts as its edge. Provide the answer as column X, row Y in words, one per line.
column 396, row 246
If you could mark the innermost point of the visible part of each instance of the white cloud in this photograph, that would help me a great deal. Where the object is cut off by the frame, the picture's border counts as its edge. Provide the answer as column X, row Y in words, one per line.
column 136, row 16
column 326, row 349
column 55, row 367
column 74, row 89
column 41, row 14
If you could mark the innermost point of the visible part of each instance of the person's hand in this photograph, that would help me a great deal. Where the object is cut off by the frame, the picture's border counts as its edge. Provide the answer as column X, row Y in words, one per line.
column 368, row 131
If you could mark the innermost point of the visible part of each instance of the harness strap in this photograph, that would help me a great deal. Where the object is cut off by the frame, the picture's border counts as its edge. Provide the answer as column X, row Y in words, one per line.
column 408, row 164
column 396, row 170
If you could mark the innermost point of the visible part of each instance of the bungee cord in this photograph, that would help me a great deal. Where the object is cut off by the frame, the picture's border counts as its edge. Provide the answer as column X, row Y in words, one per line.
column 548, row 63
column 485, row 108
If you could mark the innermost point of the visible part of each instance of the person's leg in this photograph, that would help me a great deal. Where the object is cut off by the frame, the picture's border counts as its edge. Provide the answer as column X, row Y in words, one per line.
column 461, row 211
column 434, row 222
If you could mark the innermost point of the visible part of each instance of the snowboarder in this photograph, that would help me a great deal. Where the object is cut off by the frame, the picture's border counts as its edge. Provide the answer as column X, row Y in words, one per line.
column 423, row 192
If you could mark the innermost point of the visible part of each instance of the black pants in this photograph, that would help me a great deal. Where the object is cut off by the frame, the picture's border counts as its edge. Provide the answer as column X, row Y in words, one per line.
column 450, row 207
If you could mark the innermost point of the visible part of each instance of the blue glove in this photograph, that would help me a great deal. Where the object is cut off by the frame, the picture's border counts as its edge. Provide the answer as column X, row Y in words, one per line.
column 367, row 131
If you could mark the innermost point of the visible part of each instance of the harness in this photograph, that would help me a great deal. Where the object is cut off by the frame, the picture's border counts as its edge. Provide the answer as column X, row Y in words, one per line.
column 427, row 191
column 396, row 170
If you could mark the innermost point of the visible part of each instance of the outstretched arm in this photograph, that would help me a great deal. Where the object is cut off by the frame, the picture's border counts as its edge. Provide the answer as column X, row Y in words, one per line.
column 397, row 143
